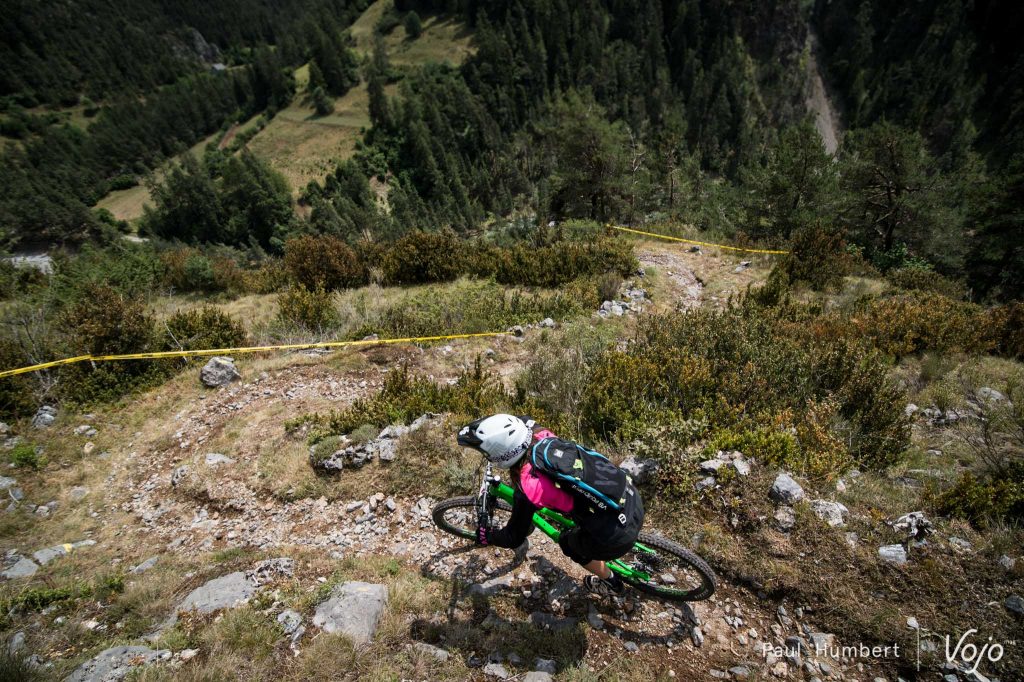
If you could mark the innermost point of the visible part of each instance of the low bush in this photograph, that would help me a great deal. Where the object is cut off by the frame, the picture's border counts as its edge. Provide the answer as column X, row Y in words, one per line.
column 673, row 446
column 1006, row 327
column 817, row 258
column 325, row 262
column 130, row 269
column 421, row 257
column 105, row 321
column 17, row 393
column 766, row 380
column 985, row 499
column 25, row 456
column 271, row 276
column 919, row 321
column 16, row 281
column 188, row 270
column 311, row 310
column 926, row 279
column 200, row 328
column 405, row 396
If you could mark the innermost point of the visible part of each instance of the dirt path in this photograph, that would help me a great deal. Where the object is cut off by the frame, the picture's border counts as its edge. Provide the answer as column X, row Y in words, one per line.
column 826, row 118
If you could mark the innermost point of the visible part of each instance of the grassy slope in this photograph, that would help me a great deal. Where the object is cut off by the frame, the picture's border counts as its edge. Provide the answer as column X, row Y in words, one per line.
column 304, row 146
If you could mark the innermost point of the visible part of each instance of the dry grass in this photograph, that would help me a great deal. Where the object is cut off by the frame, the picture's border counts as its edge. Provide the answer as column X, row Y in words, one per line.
column 442, row 40
column 127, row 204
column 305, row 147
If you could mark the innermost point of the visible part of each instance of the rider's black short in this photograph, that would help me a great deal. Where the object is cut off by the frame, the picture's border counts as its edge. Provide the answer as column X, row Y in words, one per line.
column 582, row 547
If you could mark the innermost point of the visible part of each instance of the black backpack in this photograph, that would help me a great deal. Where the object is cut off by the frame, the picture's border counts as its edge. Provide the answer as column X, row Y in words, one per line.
column 602, row 492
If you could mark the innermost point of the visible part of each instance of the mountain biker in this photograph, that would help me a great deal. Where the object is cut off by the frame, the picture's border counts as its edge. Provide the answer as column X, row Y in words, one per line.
column 605, row 529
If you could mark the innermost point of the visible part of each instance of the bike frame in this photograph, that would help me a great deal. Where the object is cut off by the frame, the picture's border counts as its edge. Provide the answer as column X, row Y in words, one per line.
column 492, row 488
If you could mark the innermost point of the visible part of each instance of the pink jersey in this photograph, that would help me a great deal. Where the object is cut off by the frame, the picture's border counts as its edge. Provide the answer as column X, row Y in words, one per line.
column 540, row 489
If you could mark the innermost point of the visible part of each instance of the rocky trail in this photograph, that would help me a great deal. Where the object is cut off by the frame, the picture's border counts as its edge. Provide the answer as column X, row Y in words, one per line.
column 196, row 482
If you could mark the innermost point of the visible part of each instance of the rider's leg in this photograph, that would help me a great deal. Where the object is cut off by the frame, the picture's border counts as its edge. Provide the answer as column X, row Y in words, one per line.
column 599, row 568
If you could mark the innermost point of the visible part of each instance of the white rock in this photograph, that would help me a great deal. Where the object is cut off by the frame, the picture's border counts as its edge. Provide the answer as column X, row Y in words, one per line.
column 785, row 490
column 353, row 609
column 832, row 513
column 894, row 554
column 219, row 371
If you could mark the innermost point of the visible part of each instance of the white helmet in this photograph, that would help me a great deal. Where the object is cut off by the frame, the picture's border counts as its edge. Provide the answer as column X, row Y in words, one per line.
column 501, row 438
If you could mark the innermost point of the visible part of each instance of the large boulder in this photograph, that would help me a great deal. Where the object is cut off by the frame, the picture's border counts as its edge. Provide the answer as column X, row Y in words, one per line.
column 219, row 371
column 224, row 592
column 354, row 609
column 22, row 568
column 785, row 490
column 115, row 664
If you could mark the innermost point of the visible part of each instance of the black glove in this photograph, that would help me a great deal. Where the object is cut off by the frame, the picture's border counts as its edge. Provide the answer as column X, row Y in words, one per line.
column 481, row 535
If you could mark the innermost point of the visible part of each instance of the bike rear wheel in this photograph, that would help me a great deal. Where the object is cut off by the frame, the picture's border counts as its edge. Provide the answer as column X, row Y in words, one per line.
column 676, row 573
column 458, row 515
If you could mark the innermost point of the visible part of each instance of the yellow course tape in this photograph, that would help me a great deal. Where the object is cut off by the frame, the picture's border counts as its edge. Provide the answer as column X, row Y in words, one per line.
column 691, row 241
column 237, row 351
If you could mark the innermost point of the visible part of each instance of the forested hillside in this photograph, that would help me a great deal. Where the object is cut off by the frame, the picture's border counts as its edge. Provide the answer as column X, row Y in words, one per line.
column 147, row 89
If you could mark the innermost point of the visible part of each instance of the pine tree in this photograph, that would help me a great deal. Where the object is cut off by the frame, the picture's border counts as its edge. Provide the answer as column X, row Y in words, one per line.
column 316, row 77
column 322, row 102
column 413, row 26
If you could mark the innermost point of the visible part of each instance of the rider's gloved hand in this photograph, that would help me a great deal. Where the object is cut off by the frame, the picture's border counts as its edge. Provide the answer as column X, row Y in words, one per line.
column 481, row 535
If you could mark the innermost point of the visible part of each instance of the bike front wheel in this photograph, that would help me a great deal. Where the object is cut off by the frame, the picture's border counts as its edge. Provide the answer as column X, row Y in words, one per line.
column 458, row 515
column 664, row 569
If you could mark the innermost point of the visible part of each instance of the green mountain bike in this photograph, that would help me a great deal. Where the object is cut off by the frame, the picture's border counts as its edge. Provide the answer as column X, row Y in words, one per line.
column 655, row 565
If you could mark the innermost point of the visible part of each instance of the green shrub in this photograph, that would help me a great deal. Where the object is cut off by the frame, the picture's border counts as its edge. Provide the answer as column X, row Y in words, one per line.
column 768, row 445
column 15, row 281
column 926, row 279
column 17, row 393
column 405, row 396
column 556, row 264
column 421, row 257
column 413, row 25
column 271, row 276
column 608, row 286
column 38, row 598
column 325, row 262
column 127, row 268
column 1006, row 325
column 754, row 374
column 671, row 444
column 817, row 257
column 556, row 375
column 364, row 434
column 983, row 500
column 105, row 321
column 24, row 455
column 202, row 328
column 188, row 269
column 311, row 310
column 920, row 321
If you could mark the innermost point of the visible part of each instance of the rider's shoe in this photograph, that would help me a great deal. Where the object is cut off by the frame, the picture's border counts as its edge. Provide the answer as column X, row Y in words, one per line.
column 606, row 587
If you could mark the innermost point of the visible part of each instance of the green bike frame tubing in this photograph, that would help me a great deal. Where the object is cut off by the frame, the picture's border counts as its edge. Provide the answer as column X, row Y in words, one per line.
column 540, row 519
